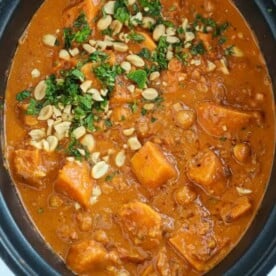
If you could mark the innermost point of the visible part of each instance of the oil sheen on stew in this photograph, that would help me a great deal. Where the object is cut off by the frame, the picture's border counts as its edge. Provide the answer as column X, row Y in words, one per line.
column 140, row 133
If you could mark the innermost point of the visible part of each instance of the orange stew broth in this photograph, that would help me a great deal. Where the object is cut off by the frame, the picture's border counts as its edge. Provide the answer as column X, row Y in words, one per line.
column 190, row 210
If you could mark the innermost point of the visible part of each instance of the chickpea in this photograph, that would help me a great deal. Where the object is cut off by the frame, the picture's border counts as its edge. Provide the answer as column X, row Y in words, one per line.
column 55, row 201
column 242, row 152
column 185, row 118
column 84, row 221
column 184, row 195
column 101, row 236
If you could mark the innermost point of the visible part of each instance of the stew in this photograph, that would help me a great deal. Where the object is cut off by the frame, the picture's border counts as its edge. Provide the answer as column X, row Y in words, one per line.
column 140, row 133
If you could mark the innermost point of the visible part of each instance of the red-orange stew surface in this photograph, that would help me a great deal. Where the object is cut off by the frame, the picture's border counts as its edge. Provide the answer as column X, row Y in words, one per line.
column 140, row 133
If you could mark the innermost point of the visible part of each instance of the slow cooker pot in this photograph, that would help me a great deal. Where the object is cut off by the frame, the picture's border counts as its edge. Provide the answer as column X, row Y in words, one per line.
column 21, row 246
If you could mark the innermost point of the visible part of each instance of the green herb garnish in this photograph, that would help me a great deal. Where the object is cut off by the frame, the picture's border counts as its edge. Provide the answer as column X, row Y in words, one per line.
column 151, row 7
column 79, row 32
column 107, row 74
column 136, row 37
column 198, row 49
column 23, row 95
column 121, row 11
column 139, row 77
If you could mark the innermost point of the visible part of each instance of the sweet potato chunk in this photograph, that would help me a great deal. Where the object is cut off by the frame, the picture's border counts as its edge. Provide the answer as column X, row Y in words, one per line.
column 141, row 223
column 121, row 94
column 87, row 255
column 30, row 120
column 217, row 120
column 148, row 42
column 162, row 263
column 87, row 70
column 151, row 166
column 88, row 7
column 206, row 170
column 240, row 207
column 74, row 180
column 197, row 249
column 29, row 165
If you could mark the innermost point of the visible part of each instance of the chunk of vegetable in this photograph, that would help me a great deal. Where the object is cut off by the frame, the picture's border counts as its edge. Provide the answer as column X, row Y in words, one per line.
column 151, row 166
column 206, row 170
column 242, row 152
column 88, row 7
column 29, row 165
column 121, row 93
column 147, row 42
column 162, row 263
column 185, row 118
column 86, row 256
column 197, row 249
column 141, row 223
column 185, row 195
column 30, row 120
column 216, row 120
column 240, row 207
column 74, row 180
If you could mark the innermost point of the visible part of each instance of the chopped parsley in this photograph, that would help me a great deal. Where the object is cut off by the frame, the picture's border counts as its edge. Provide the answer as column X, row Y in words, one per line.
column 222, row 40
column 198, row 49
column 144, row 112
column 98, row 56
column 145, row 53
column 153, row 119
column 158, row 100
column 159, row 55
column 151, row 7
column 40, row 210
column 74, row 148
column 108, row 123
column 107, row 74
column 121, row 11
column 23, row 95
column 183, row 57
column 136, row 37
column 229, row 51
column 109, row 177
column 77, row 74
column 139, row 77
column 33, row 107
column 79, row 32
column 133, row 107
